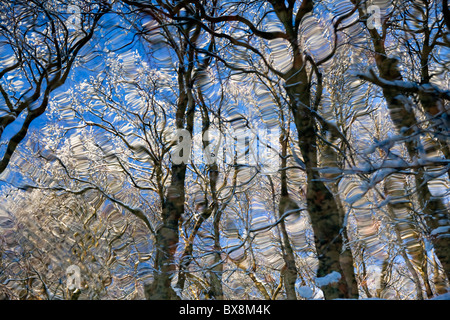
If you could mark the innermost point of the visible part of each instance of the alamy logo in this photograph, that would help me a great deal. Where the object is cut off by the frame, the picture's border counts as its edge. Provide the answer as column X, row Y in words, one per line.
column 374, row 19
column 73, row 278
column 74, row 21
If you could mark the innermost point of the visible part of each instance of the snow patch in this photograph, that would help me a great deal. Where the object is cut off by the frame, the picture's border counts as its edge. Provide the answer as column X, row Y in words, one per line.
column 445, row 296
column 305, row 292
column 440, row 230
column 328, row 279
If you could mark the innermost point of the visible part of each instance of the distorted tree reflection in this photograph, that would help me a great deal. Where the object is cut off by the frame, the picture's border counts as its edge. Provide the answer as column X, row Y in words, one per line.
column 313, row 138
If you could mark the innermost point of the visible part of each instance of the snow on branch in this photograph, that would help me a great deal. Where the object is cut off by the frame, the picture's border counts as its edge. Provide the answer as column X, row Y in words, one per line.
column 404, row 86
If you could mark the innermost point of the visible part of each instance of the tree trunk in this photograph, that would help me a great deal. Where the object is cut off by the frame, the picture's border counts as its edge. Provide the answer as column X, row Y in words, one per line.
column 435, row 213
column 215, row 275
column 434, row 210
column 321, row 205
column 329, row 158
column 286, row 203
column 290, row 271
column 405, row 231
column 167, row 236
